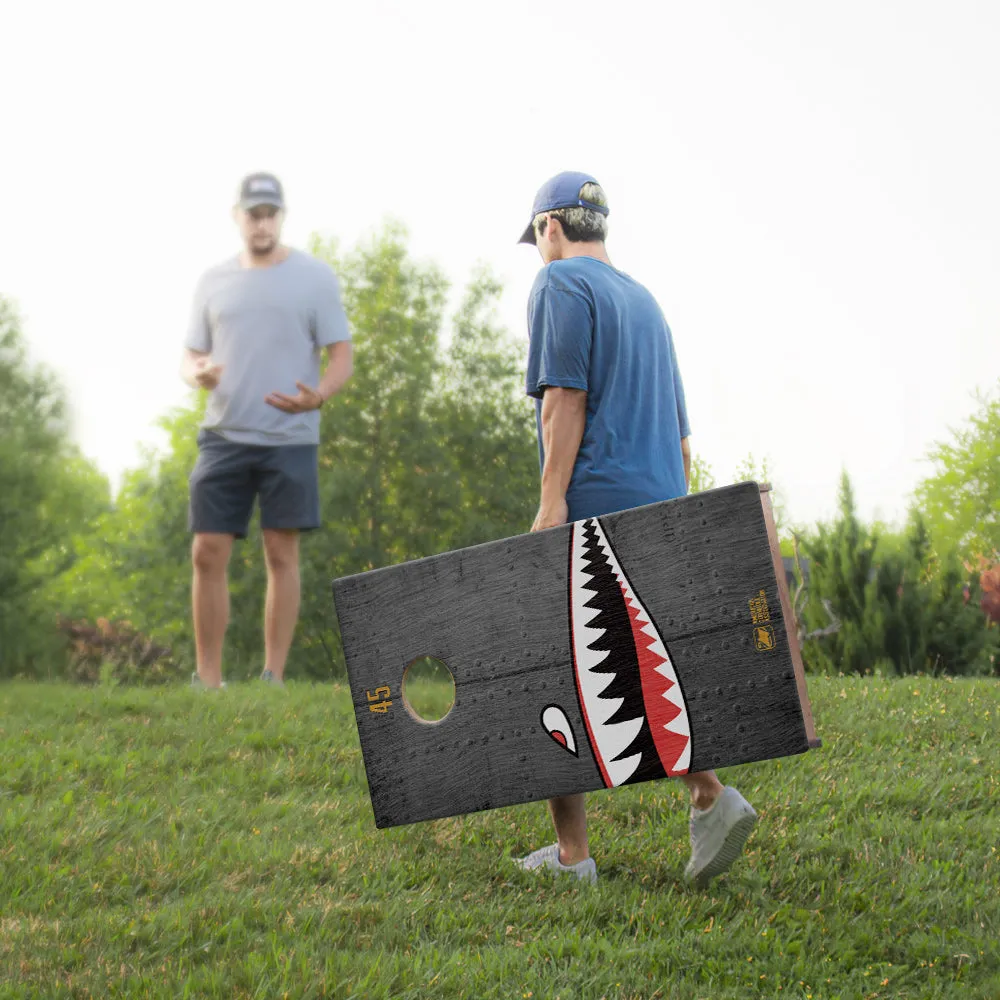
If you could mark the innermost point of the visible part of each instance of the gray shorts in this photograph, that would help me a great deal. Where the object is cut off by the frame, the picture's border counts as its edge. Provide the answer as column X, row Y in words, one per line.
column 228, row 477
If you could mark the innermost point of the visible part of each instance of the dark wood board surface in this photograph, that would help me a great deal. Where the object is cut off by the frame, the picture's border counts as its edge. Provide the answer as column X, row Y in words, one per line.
column 625, row 648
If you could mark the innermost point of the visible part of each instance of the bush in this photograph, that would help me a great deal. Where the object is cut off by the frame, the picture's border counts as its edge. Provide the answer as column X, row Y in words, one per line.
column 115, row 652
column 899, row 603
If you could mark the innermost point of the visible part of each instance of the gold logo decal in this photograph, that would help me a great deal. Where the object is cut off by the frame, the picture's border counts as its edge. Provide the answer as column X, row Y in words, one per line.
column 759, row 611
column 763, row 637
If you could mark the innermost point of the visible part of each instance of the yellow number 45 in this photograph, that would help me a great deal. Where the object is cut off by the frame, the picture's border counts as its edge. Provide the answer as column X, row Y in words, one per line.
column 380, row 699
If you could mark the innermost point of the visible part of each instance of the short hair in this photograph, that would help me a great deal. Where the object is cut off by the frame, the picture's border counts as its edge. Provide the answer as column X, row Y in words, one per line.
column 579, row 223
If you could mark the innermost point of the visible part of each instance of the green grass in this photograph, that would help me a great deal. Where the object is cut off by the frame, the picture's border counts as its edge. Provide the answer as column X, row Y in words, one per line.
column 190, row 844
column 429, row 688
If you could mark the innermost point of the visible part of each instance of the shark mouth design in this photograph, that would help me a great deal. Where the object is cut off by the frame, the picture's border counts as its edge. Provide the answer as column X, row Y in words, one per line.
column 630, row 696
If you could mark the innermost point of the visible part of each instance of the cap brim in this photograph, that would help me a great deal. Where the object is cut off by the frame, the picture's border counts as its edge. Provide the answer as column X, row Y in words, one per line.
column 528, row 236
column 262, row 200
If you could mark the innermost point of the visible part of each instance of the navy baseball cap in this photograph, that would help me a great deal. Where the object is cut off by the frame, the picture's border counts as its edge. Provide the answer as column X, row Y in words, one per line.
column 561, row 191
column 261, row 189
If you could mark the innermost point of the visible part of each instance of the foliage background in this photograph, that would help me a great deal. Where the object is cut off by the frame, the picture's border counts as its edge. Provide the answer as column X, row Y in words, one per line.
column 430, row 447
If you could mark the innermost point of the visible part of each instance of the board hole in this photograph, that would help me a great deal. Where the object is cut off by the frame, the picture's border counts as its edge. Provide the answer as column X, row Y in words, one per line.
column 428, row 689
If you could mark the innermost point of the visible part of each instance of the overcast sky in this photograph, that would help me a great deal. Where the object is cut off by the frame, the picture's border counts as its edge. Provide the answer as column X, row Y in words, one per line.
column 810, row 190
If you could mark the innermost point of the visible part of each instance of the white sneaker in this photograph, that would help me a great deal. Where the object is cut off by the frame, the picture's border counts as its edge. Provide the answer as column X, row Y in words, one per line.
column 197, row 682
column 718, row 835
column 548, row 857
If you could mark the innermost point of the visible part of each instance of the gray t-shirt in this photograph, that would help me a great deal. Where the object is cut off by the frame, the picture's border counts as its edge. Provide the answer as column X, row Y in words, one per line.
column 266, row 326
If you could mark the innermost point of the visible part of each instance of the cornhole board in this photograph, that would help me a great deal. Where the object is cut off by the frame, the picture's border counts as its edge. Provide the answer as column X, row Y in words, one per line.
column 619, row 649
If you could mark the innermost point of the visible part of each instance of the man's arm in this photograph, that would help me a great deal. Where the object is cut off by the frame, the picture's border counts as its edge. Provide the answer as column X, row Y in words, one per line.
column 682, row 417
column 196, row 365
column 332, row 331
column 340, row 364
column 198, row 371
column 339, row 368
column 564, row 417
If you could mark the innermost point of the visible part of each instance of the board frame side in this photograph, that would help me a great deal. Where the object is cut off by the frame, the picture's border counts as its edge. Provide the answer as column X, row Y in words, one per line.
column 791, row 625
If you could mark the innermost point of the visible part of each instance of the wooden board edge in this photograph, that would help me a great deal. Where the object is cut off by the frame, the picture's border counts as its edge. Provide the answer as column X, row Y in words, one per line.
column 791, row 626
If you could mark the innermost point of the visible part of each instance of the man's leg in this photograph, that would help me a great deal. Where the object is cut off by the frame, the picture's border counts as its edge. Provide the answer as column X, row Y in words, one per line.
column 721, row 821
column 704, row 787
column 221, row 500
column 569, row 815
column 210, row 602
column 281, row 553
column 288, row 484
column 570, row 855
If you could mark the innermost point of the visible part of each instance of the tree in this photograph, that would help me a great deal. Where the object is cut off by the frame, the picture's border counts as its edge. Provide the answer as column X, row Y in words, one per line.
column 702, row 477
column 426, row 449
column 900, row 607
column 49, row 492
column 490, row 443
column 961, row 500
column 749, row 470
column 842, row 557
column 134, row 565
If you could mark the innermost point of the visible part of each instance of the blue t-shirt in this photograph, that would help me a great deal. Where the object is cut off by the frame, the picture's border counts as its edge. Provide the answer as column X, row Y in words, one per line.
column 594, row 328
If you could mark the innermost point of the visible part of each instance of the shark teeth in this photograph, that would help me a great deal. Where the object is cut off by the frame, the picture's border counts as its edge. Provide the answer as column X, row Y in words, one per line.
column 610, row 740
column 670, row 726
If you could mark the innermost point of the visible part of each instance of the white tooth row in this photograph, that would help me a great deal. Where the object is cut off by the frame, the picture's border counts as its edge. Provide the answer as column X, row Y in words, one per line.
column 614, row 739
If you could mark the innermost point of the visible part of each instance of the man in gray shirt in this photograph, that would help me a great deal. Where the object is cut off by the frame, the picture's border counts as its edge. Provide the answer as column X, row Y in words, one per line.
column 259, row 324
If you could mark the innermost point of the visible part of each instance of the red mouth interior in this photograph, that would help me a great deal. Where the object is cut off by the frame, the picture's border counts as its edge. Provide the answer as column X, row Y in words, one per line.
column 659, row 711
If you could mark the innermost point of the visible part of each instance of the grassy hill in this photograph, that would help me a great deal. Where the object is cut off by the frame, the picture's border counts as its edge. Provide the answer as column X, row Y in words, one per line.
column 186, row 844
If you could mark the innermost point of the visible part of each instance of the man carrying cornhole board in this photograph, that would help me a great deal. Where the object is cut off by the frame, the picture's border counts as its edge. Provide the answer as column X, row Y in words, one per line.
column 636, row 633
column 613, row 434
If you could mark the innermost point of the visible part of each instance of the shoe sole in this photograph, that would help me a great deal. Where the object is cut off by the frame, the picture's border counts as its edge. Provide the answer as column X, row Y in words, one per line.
column 197, row 685
column 731, row 849
column 589, row 876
